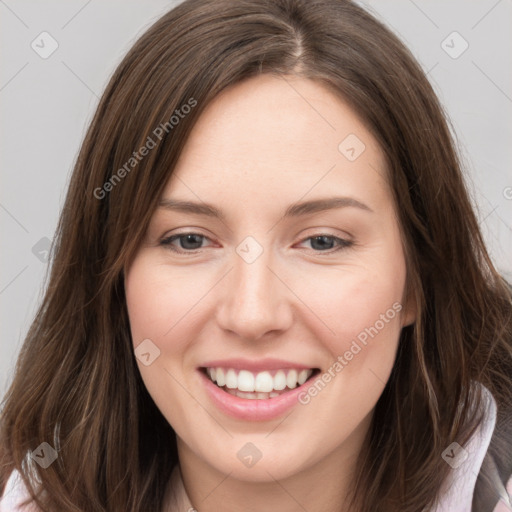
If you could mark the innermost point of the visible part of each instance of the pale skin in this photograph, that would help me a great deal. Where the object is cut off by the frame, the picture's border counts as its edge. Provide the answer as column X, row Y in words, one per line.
column 260, row 147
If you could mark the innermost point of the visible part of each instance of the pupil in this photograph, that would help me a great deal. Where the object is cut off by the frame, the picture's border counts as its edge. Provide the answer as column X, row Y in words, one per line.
column 189, row 238
column 322, row 245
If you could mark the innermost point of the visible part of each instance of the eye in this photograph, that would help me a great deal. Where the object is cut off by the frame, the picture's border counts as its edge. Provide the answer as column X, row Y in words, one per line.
column 324, row 243
column 189, row 242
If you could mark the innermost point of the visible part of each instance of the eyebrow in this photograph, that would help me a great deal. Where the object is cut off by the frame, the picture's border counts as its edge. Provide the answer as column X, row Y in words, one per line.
column 294, row 210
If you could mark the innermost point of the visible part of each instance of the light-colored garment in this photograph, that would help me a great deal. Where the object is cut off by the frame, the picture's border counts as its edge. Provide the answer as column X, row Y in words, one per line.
column 457, row 497
column 467, row 462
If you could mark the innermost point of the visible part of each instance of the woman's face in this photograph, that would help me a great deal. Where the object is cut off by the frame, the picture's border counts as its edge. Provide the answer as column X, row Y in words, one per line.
column 277, row 284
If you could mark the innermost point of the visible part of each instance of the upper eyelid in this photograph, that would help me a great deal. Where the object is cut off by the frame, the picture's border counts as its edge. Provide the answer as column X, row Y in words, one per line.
column 319, row 233
column 176, row 236
column 344, row 235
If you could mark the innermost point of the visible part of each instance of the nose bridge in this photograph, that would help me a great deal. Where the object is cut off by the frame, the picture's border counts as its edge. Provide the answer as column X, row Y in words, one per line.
column 254, row 300
column 253, row 281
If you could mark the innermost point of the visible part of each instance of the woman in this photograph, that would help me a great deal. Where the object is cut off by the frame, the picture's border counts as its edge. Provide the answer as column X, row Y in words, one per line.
column 336, row 337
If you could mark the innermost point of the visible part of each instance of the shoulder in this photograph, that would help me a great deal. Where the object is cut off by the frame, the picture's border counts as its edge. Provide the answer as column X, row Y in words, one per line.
column 466, row 463
column 15, row 494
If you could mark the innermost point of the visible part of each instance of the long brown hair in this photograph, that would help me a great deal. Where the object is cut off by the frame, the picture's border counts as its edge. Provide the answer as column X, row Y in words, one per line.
column 77, row 386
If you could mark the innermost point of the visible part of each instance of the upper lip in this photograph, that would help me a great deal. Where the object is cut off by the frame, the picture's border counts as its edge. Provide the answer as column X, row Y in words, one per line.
column 255, row 365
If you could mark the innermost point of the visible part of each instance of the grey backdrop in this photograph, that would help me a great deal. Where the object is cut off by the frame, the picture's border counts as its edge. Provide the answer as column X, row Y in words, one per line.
column 57, row 57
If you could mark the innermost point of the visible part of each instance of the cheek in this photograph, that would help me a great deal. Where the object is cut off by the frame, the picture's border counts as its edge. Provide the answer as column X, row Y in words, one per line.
column 147, row 302
column 160, row 311
column 361, row 304
column 357, row 305
column 159, row 302
column 364, row 311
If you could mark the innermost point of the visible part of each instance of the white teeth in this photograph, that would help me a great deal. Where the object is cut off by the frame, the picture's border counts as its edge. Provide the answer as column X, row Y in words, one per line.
column 220, row 377
column 261, row 385
column 252, row 396
column 291, row 379
column 279, row 380
column 245, row 381
column 231, row 379
column 302, row 377
column 264, row 382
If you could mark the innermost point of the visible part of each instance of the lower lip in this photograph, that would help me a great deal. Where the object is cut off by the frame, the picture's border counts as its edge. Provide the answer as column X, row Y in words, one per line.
column 256, row 409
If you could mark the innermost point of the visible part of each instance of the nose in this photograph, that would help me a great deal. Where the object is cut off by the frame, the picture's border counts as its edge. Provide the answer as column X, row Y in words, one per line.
column 255, row 299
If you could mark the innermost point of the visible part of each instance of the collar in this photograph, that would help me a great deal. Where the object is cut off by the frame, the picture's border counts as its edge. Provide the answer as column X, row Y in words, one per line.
column 457, row 494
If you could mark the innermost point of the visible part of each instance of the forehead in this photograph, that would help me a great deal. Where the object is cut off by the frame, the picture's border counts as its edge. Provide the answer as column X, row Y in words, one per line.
column 278, row 137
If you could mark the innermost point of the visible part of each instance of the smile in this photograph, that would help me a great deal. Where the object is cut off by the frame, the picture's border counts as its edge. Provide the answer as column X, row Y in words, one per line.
column 255, row 395
column 258, row 386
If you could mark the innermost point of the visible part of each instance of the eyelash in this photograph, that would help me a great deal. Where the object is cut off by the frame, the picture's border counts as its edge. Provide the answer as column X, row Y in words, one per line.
column 167, row 242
